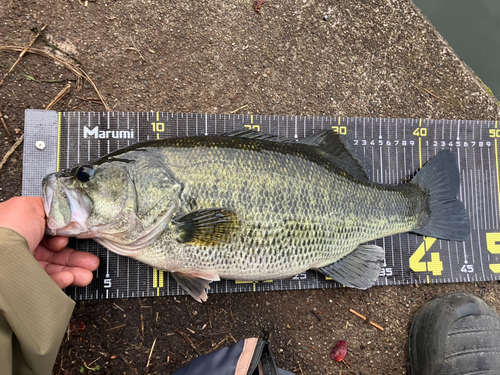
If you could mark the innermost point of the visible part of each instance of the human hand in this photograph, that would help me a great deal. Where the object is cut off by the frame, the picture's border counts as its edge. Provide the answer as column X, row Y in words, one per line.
column 67, row 267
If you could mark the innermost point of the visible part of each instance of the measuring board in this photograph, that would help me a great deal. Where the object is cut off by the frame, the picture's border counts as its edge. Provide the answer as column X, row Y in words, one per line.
column 392, row 149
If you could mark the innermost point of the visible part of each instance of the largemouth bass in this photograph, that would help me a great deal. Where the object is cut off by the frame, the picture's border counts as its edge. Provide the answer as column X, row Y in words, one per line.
column 249, row 206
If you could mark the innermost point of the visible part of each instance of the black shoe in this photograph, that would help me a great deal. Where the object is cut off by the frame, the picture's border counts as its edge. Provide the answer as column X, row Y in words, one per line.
column 454, row 334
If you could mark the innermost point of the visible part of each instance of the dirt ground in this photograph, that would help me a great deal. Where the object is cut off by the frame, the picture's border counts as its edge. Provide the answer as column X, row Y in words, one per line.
column 297, row 57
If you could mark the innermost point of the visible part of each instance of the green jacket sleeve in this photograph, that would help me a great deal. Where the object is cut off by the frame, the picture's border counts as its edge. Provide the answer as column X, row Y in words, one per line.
column 34, row 312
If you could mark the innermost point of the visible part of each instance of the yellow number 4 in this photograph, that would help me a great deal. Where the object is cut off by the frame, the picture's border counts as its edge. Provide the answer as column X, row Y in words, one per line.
column 157, row 280
column 435, row 265
column 421, row 132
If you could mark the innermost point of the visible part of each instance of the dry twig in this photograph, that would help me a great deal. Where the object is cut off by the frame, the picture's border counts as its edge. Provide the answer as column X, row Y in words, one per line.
column 151, row 352
column 430, row 93
column 346, row 365
column 79, row 72
column 232, row 338
column 5, row 125
column 188, row 340
column 117, row 327
column 364, row 318
column 94, row 361
column 58, row 97
column 23, row 52
column 136, row 49
column 236, row 110
column 11, row 151
column 218, row 345
column 142, row 324
column 316, row 315
column 91, row 100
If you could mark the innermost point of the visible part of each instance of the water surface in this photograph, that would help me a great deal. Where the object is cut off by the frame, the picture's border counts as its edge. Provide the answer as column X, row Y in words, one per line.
column 472, row 28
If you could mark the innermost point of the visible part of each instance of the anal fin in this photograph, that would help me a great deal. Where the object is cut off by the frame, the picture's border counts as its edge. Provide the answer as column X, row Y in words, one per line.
column 360, row 269
column 195, row 284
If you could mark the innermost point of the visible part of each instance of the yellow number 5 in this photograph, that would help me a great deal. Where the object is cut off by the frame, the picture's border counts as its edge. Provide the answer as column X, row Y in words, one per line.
column 493, row 245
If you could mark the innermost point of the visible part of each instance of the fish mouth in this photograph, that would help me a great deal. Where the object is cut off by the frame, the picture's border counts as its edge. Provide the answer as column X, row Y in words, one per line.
column 66, row 209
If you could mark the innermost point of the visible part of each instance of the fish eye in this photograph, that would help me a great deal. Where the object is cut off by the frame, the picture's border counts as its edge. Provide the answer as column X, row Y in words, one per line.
column 84, row 173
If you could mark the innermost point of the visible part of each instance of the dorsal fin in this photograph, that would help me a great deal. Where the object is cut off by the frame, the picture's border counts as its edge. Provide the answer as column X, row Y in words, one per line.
column 327, row 143
column 253, row 134
column 331, row 146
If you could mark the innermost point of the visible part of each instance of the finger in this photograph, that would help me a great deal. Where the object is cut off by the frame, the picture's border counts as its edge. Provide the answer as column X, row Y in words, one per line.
column 80, row 277
column 83, row 277
column 63, row 279
column 67, row 257
column 26, row 216
column 41, row 253
column 55, row 243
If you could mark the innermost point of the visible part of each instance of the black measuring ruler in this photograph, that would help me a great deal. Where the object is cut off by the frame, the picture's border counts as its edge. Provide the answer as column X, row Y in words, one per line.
column 392, row 150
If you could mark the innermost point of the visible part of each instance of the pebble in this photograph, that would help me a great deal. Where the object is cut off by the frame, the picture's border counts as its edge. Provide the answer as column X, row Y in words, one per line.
column 325, row 18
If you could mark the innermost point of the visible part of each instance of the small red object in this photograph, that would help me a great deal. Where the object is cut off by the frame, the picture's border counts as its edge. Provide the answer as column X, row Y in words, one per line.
column 258, row 5
column 77, row 328
column 339, row 352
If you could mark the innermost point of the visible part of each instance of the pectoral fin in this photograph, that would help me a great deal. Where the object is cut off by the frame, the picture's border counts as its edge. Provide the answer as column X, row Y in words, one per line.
column 360, row 269
column 207, row 227
column 195, row 284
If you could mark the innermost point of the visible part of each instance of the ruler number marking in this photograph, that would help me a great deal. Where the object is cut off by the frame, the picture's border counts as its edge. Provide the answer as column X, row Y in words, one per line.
column 253, row 127
column 435, row 265
column 158, row 127
column 157, row 280
column 339, row 130
column 494, row 133
column 386, row 272
column 493, row 246
column 467, row 268
column 420, row 132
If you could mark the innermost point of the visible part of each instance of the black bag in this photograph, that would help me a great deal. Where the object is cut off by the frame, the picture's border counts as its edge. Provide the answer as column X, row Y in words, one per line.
column 246, row 357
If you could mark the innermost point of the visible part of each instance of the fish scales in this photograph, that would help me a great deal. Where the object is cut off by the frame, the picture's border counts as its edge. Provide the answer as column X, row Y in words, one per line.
column 295, row 211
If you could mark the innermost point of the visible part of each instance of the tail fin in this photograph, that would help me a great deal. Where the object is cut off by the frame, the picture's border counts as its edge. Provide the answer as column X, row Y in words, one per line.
column 440, row 178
